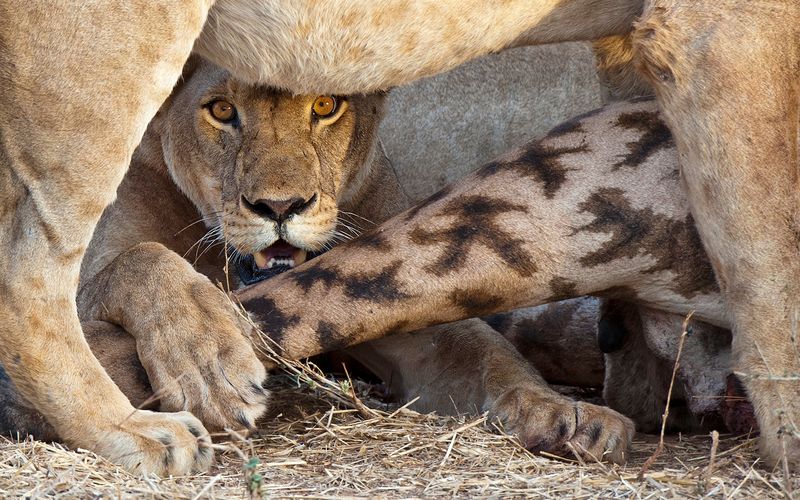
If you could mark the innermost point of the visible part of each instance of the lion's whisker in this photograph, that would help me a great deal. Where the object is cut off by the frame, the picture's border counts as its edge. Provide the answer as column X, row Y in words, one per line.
column 205, row 218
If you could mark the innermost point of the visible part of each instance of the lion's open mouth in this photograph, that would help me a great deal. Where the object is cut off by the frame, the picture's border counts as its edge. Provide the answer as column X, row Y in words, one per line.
column 271, row 261
column 279, row 254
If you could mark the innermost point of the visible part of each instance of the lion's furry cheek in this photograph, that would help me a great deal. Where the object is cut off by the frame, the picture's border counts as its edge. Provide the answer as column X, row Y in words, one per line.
column 247, row 241
column 202, row 190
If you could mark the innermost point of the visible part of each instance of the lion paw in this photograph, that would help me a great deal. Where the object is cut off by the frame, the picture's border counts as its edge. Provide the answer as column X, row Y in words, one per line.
column 558, row 426
column 221, row 386
column 203, row 361
column 167, row 444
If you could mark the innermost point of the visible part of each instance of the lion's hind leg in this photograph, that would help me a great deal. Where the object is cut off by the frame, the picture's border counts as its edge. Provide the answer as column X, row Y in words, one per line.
column 726, row 76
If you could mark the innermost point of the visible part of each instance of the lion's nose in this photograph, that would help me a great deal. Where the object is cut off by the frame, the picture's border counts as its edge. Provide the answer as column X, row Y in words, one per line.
column 278, row 210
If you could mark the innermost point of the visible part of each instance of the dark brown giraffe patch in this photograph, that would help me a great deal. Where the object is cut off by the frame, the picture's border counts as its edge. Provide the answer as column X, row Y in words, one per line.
column 330, row 337
column 271, row 320
column 569, row 127
column 573, row 125
column 475, row 224
column 378, row 287
column 539, row 162
column 475, row 303
column 655, row 136
column 674, row 244
column 316, row 273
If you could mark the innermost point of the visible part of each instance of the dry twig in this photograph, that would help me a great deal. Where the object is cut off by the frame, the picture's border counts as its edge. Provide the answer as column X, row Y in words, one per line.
column 684, row 333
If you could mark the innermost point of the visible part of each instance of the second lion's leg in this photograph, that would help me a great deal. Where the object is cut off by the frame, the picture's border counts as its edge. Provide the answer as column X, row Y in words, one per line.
column 726, row 75
column 467, row 367
column 641, row 352
column 559, row 339
column 76, row 98
column 116, row 351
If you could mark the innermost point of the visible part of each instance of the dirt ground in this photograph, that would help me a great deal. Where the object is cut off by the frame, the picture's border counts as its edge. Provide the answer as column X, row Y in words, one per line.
column 322, row 440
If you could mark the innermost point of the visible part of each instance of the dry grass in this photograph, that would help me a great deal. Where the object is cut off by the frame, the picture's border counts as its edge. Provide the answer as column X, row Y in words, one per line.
column 325, row 438
column 318, row 444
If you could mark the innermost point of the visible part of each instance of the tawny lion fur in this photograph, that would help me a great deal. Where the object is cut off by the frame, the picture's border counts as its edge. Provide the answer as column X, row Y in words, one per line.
column 735, row 128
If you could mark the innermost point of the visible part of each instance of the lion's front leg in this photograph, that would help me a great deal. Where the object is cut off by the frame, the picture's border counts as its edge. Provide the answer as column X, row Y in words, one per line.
column 116, row 351
column 80, row 81
column 193, row 342
column 726, row 75
column 466, row 367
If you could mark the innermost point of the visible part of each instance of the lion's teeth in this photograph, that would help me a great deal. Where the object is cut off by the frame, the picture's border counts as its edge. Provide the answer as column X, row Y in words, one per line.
column 266, row 259
column 280, row 262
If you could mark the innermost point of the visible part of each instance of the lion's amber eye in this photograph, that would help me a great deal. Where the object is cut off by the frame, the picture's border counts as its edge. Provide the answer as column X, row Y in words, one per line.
column 223, row 110
column 324, row 105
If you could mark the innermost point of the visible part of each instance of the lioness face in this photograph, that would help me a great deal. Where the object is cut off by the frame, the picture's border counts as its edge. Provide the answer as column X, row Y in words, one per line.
column 267, row 168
